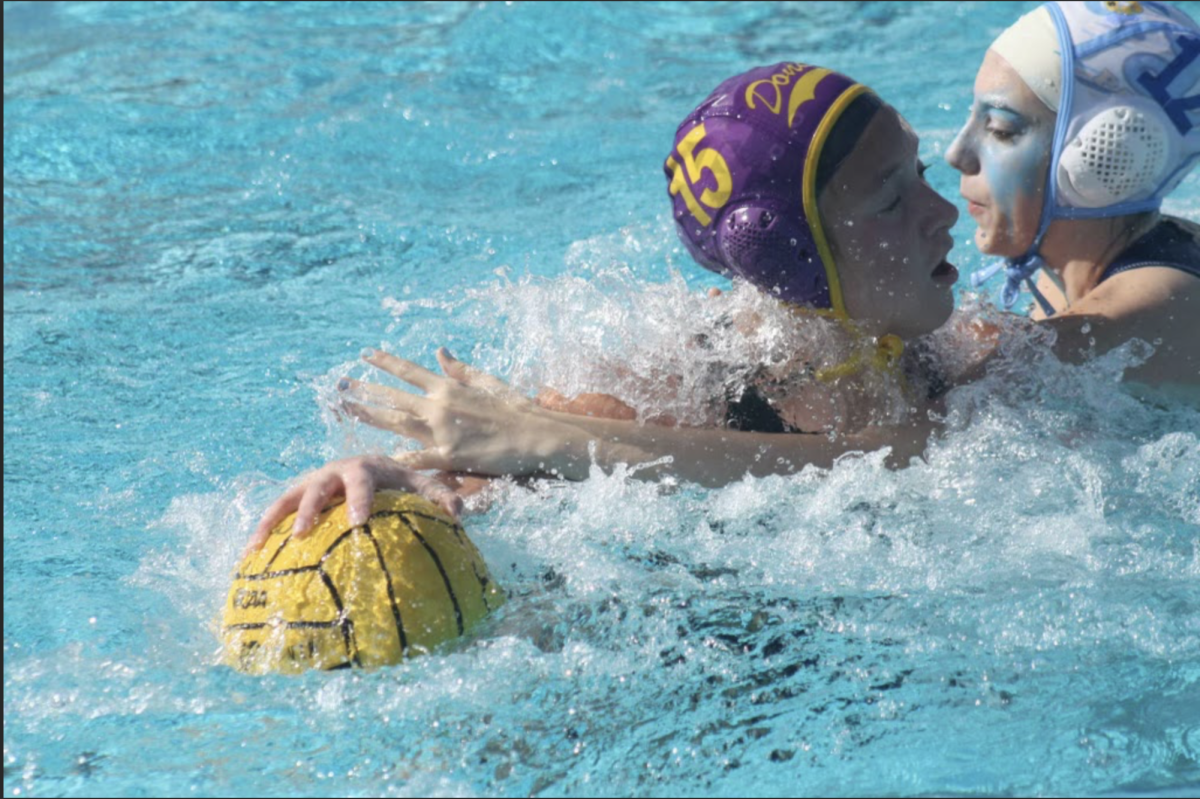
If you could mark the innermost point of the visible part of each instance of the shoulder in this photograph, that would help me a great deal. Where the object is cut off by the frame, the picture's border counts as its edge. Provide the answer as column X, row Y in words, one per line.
column 1172, row 243
column 1159, row 305
column 1147, row 288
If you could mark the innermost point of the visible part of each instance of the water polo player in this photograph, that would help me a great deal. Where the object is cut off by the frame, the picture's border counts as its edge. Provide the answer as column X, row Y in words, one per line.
column 756, row 168
column 794, row 178
column 751, row 178
column 764, row 188
column 1086, row 116
column 467, row 423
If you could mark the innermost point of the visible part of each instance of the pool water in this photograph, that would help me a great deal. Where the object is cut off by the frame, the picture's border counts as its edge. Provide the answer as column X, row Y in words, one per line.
column 210, row 208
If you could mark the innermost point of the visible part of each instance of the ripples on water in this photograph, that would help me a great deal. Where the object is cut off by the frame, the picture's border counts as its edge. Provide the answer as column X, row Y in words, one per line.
column 1028, row 593
column 194, row 252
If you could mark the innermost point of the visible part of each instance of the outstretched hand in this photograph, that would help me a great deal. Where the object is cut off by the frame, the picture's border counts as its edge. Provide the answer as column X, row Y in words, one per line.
column 358, row 479
column 467, row 420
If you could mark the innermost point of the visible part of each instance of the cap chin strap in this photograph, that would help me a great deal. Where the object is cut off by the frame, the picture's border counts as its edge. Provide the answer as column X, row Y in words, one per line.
column 1016, row 271
column 884, row 356
column 882, row 353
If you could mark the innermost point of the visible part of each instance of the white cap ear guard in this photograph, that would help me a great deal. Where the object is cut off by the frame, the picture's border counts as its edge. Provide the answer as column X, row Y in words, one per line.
column 1129, row 117
column 1119, row 155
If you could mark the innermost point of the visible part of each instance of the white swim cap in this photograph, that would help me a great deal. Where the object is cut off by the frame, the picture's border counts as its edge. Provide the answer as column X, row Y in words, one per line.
column 1127, row 96
column 1030, row 46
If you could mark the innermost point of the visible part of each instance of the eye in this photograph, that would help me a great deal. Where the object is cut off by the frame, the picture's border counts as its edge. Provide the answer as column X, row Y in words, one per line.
column 1000, row 134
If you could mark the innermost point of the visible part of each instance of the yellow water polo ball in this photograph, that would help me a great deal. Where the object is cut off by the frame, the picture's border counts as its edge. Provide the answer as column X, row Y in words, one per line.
column 397, row 585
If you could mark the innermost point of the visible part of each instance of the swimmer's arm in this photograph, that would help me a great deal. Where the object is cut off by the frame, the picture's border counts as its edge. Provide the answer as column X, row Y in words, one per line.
column 1158, row 305
column 712, row 457
column 469, row 421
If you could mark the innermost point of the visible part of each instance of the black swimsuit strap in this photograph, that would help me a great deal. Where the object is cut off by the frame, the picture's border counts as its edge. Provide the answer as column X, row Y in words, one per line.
column 1167, row 244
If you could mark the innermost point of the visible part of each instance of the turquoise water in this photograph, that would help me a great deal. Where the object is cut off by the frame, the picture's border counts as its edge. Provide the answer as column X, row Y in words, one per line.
column 210, row 209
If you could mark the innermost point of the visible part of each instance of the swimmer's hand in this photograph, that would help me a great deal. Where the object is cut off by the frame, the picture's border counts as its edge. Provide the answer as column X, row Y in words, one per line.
column 357, row 479
column 468, row 421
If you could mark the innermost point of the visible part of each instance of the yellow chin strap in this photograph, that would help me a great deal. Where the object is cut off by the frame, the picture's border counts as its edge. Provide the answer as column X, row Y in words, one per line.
column 883, row 356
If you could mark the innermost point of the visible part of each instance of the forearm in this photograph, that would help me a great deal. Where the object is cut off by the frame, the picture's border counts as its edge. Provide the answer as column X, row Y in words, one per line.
column 472, row 422
column 713, row 457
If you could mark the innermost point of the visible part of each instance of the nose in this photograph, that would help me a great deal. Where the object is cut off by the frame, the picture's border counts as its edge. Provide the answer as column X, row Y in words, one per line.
column 940, row 215
column 961, row 154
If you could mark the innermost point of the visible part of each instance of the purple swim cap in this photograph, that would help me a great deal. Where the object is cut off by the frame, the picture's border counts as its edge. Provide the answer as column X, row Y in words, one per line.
column 743, row 180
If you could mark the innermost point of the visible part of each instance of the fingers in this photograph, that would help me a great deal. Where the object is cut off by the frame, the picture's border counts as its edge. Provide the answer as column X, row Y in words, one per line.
column 278, row 511
column 465, row 485
column 320, row 489
column 396, row 410
column 383, row 396
column 427, row 381
column 452, row 366
column 552, row 400
column 600, row 406
column 470, row 375
column 407, row 371
column 434, row 491
column 376, row 394
column 388, row 419
column 358, row 478
column 360, row 494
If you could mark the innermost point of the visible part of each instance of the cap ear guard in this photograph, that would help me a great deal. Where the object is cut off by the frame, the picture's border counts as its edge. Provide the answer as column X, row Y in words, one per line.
column 1119, row 155
column 761, row 244
column 1130, row 74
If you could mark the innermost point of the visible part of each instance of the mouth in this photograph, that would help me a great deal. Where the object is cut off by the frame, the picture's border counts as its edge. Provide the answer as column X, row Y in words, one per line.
column 974, row 208
column 944, row 274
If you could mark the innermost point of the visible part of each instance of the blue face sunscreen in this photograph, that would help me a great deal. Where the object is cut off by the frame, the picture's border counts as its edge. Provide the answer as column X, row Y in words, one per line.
column 1013, row 153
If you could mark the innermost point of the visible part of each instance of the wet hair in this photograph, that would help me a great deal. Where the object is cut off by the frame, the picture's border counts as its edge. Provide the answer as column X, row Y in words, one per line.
column 845, row 135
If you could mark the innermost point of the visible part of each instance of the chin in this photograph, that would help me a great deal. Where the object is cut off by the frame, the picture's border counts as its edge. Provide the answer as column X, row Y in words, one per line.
column 932, row 316
column 945, row 310
column 985, row 243
column 1003, row 245
column 935, row 313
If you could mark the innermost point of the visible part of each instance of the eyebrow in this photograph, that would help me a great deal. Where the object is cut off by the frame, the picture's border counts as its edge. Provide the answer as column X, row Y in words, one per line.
column 996, row 103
